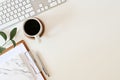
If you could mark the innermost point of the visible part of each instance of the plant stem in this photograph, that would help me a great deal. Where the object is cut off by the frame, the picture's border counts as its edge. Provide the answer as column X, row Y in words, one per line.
column 5, row 43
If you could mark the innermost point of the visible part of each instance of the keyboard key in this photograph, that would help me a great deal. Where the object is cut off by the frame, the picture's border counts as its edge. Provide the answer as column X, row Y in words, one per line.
column 1, row 8
column 16, row 6
column 27, row 15
column 40, row 5
column 8, row 10
column 29, row 5
column 11, row 13
column 12, row 8
column 19, row 10
column 28, row 10
column 19, row 14
column 28, row 1
column 21, row 18
column 15, row 16
column 7, row 19
column 12, row 3
column 7, row 14
column 3, row 16
column 8, row 5
column 46, row 7
column 3, row 21
column 32, row 13
column 20, row 4
column 24, row 3
column 49, row 1
column 4, row 6
column 4, row 3
column 15, row 11
column 53, row 4
column 23, row 8
column 23, row 12
column 16, row 1
column 11, row 17
column 59, row 1
column 20, row 0
column 42, row 9
column 38, row 10
column 4, row 11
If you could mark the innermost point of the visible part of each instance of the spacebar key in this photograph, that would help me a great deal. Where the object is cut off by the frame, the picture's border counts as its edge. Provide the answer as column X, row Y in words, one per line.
column 8, row 24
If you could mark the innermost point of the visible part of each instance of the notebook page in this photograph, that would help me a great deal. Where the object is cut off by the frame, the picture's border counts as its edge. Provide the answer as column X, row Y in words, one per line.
column 12, row 66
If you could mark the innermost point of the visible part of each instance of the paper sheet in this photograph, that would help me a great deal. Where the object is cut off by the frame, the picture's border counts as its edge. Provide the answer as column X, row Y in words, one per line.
column 12, row 67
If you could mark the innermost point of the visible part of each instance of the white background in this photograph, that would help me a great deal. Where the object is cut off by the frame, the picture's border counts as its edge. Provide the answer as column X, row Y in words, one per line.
column 81, row 40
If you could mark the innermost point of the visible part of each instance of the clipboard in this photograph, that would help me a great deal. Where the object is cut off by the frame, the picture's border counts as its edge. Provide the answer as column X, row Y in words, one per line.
column 21, row 57
column 11, row 47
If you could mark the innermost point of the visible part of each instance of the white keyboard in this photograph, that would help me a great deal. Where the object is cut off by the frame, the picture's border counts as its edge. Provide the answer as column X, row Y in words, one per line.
column 14, row 11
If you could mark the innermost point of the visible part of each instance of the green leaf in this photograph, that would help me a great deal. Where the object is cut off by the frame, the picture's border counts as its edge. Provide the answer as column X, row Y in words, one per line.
column 13, row 33
column 3, row 35
column 14, row 43
column 2, row 49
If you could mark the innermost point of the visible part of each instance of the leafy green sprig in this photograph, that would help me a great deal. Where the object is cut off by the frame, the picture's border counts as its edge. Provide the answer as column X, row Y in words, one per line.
column 12, row 35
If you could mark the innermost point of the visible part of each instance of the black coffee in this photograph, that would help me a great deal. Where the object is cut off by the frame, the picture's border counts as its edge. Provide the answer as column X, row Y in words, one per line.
column 32, row 27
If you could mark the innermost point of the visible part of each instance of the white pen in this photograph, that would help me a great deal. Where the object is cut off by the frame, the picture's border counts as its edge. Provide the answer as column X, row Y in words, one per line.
column 37, row 72
column 43, row 66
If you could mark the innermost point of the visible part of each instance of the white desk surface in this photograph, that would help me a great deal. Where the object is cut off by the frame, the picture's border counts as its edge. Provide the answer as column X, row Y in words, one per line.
column 81, row 40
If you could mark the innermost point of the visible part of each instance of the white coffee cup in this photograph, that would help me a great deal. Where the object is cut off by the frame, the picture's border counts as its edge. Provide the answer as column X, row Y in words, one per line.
column 33, row 28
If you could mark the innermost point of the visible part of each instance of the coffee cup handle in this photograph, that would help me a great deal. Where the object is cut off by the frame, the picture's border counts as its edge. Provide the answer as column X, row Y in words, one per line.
column 37, row 39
